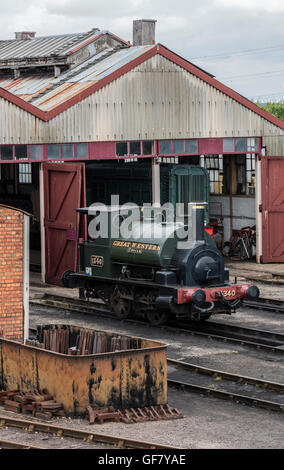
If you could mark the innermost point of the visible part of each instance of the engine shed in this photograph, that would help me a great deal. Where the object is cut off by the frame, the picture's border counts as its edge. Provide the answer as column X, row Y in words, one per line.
column 84, row 116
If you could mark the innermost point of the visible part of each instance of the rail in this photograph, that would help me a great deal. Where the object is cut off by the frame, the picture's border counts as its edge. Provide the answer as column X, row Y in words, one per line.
column 60, row 431
column 273, row 305
column 218, row 385
column 257, row 339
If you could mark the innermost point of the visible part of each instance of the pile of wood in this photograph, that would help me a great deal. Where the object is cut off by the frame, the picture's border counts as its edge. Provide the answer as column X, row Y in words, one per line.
column 94, row 342
column 56, row 340
column 39, row 404
column 84, row 341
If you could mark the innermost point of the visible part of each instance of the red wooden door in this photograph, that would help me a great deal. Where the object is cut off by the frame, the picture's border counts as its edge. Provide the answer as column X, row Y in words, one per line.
column 64, row 185
column 272, row 171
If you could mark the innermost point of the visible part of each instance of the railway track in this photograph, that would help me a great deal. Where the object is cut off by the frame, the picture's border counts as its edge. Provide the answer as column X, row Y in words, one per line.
column 257, row 339
column 5, row 444
column 79, row 435
column 266, row 304
column 220, row 384
column 201, row 380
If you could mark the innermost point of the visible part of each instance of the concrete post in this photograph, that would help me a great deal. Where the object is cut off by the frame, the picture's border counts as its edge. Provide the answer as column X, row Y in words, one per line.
column 42, row 227
column 26, row 272
column 156, row 192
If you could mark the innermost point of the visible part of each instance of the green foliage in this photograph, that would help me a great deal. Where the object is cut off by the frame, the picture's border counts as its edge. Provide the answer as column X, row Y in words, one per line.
column 277, row 109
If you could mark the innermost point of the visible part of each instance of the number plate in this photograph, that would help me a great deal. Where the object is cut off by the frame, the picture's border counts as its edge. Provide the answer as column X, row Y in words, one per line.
column 229, row 293
column 97, row 261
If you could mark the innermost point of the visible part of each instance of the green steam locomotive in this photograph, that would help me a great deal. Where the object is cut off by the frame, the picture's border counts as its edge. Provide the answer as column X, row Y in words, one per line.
column 158, row 269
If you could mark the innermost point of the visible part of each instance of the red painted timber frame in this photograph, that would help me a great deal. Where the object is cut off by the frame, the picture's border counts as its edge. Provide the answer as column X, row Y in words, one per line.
column 63, row 225
column 156, row 50
column 272, row 176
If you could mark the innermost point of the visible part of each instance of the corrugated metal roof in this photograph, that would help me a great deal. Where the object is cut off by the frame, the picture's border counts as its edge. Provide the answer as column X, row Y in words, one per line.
column 110, row 64
column 54, row 91
column 87, row 77
column 43, row 46
column 46, row 97
column 26, row 87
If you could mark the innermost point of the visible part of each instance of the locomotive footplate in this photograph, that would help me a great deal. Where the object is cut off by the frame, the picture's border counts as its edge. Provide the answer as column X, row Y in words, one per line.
column 213, row 294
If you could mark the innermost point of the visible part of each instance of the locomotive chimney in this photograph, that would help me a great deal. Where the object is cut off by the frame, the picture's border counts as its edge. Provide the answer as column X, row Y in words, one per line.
column 198, row 220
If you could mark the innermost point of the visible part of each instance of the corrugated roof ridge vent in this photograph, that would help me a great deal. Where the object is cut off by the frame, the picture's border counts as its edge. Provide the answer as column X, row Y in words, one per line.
column 85, row 39
column 67, row 44
column 52, row 36
column 75, row 40
column 24, row 35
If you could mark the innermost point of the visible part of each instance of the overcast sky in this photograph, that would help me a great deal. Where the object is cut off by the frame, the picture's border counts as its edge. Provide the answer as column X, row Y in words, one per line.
column 241, row 42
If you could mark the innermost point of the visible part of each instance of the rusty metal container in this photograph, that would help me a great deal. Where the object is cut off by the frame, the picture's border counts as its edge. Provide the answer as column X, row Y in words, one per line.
column 127, row 378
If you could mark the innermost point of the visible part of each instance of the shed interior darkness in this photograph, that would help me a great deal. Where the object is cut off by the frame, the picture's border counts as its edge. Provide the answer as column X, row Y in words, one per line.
column 230, row 178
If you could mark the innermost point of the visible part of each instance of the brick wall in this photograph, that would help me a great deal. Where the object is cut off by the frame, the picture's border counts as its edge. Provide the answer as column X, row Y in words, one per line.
column 11, row 273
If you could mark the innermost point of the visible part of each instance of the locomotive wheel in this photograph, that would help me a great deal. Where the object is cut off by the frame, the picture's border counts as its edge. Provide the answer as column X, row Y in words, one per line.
column 121, row 302
column 157, row 318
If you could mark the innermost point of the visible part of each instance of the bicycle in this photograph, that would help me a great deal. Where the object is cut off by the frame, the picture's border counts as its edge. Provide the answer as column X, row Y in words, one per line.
column 242, row 243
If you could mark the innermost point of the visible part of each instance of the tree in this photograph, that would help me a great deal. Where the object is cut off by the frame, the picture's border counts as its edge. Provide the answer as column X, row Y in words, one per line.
column 275, row 108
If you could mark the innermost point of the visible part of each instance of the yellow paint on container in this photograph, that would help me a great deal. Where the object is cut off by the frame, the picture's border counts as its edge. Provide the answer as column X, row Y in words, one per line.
column 123, row 379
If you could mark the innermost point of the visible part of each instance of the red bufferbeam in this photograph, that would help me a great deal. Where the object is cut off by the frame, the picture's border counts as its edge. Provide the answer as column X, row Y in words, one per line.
column 213, row 294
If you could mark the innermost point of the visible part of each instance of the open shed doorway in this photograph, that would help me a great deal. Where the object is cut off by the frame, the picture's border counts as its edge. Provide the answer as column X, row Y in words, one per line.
column 19, row 188
column 232, row 183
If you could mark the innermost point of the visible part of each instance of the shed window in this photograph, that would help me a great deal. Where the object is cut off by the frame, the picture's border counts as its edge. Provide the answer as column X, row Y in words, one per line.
column 230, row 174
column 240, row 161
column 228, row 145
column 25, row 173
column 148, row 147
column 178, row 146
column 166, row 147
column 191, row 146
column 250, row 168
column 135, row 148
column 241, row 145
column 53, row 152
column 253, row 144
column 214, row 165
column 121, row 149
column 81, row 150
column 35, row 152
column 67, row 151
column 239, row 175
column 7, row 152
column 21, row 152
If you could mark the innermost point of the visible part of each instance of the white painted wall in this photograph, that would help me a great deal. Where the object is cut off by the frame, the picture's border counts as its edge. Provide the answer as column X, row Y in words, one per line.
column 243, row 209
